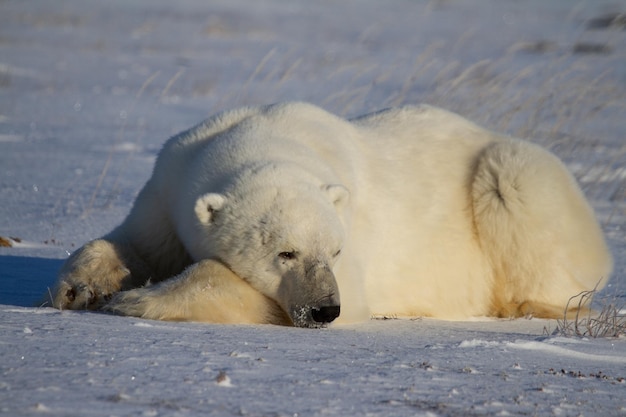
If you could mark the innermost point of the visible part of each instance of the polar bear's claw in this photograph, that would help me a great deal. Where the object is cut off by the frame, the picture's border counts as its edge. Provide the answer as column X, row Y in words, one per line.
column 70, row 295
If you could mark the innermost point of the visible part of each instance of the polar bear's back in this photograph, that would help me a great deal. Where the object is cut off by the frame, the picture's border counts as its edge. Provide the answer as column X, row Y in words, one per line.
column 379, row 135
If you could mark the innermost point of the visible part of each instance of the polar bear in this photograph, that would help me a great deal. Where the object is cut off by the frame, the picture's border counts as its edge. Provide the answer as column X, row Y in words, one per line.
column 287, row 214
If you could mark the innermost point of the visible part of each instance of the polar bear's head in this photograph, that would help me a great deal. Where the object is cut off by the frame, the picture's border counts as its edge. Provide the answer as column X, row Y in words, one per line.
column 283, row 240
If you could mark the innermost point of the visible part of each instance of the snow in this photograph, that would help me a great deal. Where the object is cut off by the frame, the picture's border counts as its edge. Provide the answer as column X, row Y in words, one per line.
column 90, row 90
column 75, row 363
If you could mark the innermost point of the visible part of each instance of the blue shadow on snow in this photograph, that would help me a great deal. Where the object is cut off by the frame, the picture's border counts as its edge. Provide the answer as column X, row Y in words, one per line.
column 25, row 280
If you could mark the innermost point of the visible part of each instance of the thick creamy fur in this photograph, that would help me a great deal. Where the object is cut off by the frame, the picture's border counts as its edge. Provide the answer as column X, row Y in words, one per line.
column 433, row 216
column 205, row 284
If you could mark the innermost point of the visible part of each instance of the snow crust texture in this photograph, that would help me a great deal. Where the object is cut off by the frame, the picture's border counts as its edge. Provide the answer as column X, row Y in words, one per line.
column 87, row 364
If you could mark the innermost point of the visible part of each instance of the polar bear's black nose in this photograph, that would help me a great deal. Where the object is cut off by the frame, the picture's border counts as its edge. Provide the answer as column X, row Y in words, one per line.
column 325, row 314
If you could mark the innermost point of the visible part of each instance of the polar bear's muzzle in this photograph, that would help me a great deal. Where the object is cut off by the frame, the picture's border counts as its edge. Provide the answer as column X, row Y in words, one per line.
column 312, row 316
column 311, row 296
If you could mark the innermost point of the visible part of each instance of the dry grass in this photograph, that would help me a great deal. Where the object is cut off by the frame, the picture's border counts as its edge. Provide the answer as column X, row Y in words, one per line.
column 609, row 322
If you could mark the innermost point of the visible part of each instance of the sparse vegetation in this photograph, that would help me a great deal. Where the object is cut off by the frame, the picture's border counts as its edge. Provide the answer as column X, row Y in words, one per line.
column 609, row 322
column 592, row 375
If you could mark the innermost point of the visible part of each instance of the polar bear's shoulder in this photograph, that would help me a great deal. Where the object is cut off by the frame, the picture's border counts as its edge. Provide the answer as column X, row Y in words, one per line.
column 254, row 117
column 210, row 127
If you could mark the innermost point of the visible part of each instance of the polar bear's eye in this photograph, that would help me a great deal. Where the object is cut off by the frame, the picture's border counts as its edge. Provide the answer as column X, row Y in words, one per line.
column 287, row 255
column 337, row 253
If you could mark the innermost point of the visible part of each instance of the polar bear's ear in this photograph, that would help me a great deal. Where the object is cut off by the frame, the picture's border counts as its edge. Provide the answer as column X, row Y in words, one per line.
column 337, row 194
column 207, row 205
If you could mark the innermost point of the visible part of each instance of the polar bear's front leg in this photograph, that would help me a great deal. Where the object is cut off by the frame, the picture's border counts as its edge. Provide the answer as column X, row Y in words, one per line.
column 93, row 273
column 206, row 292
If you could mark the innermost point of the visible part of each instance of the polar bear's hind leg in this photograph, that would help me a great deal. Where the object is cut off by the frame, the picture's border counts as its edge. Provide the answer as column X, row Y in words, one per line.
column 537, row 229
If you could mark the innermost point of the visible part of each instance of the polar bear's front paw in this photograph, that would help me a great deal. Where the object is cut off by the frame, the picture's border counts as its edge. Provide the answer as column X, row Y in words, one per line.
column 80, row 297
column 148, row 303
column 90, row 277
column 127, row 303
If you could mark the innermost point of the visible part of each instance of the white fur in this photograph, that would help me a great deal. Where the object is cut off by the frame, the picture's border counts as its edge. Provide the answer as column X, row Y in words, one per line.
column 434, row 216
column 204, row 284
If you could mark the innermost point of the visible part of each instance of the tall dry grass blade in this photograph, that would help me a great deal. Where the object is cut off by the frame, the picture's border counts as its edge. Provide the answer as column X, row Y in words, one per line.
column 610, row 322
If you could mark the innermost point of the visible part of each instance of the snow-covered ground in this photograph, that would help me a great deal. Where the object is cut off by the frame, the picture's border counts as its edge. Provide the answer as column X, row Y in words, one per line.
column 90, row 90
